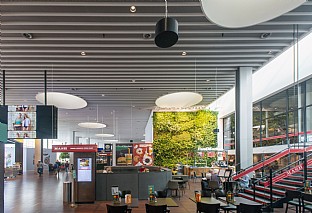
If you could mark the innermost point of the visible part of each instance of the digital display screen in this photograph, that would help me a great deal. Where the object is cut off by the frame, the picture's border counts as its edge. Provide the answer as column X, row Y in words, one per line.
column 84, row 169
column 21, row 121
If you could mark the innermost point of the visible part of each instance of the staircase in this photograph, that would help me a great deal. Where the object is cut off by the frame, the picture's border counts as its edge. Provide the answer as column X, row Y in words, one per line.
column 288, row 178
column 262, row 192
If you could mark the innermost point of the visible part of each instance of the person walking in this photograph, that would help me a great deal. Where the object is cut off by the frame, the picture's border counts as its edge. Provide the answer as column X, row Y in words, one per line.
column 66, row 167
column 40, row 168
column 56, row 168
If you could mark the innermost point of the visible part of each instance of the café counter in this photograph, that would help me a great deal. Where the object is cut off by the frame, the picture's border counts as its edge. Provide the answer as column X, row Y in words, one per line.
column 130, row 178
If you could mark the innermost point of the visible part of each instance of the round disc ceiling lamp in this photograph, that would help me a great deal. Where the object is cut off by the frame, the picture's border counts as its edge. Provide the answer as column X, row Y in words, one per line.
column 179, row 100
column 103, row 135
column 166, row 31
column 232, row 14
column 62, row 100
column 93, row 125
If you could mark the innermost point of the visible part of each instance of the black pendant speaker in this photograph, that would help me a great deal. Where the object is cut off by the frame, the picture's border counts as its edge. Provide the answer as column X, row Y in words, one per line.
column 166, row 32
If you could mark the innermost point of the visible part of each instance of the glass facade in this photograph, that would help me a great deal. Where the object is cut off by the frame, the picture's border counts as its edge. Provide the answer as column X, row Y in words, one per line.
column 283, row 118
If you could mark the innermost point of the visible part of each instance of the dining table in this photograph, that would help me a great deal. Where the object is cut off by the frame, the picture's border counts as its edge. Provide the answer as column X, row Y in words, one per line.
column 134, row 203
column 164, row 201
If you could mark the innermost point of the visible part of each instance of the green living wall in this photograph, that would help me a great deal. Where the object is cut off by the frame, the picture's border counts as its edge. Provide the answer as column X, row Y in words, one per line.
column 178, row 135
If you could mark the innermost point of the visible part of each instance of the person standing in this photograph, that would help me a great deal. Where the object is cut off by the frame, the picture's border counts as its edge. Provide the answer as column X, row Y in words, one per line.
column 40, row 168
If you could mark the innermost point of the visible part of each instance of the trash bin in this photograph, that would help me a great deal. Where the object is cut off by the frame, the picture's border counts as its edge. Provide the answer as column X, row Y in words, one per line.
column 67, row 192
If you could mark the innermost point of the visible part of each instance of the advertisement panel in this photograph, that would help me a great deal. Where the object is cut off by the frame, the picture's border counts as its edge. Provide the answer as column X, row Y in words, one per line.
column 84, row 169
column 142, row 154
column 123, row 154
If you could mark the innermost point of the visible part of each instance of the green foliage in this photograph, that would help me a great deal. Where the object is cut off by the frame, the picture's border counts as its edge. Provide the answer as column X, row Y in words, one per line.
column 178, row 135
column 64, row 155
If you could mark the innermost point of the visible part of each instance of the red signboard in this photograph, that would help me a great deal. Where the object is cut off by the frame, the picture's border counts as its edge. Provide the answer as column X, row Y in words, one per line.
column 75, row 148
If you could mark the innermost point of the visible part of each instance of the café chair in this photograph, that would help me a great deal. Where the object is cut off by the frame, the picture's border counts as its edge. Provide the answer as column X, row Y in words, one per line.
column 186, row 181
column 293, row 198
column 308, row 198
column 207, row 208
column 118, row 209
column 161, row 194
column 156, row 209
column 174, row 186
column 194, row 177
column 247, row 208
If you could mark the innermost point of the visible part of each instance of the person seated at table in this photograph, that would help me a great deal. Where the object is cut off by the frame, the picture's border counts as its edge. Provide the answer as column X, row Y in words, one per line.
column 215, row 177
column 244, row 182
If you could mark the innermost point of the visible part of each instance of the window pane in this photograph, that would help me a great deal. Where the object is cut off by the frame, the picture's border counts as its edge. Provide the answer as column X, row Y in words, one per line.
column 309, row 92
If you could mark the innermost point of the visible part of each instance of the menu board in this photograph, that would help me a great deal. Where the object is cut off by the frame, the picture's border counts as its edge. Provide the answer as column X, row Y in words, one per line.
column 84, row 169
column 21, row 121
column 143, row 154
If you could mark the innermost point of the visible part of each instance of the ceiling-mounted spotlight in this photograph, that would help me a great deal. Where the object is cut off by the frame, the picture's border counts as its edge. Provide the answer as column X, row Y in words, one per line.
column 265, row 35
column 28, row 35
column 166, row 32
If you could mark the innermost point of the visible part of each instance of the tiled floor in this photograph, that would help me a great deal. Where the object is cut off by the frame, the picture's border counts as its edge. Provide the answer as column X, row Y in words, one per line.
column 32, row 194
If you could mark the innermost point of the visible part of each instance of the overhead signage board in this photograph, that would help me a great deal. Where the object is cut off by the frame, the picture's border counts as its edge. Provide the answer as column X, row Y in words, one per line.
column 75, row 148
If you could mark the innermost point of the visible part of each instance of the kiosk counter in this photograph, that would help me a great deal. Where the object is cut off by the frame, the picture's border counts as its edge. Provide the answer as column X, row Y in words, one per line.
column 130, row 178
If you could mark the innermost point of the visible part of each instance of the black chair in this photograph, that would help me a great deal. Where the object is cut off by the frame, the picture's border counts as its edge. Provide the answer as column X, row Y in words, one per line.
column 156, row 209
column 293, row 198
column 194, row 177
column 205, row 190
column 161, row 194
column 307, row 206
column 118, row 209
column 246, row 208
column 207, row 208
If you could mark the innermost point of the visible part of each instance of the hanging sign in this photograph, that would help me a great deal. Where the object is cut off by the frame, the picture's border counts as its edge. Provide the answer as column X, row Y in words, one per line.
column 75, row 148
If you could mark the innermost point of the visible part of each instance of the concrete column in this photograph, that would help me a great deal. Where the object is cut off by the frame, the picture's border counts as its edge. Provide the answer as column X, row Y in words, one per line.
column 2, row 177
column 243, row 118
column 38, row 153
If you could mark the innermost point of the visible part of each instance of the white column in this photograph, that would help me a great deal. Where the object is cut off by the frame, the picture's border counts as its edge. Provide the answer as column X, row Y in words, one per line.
column 114, row 154
column 243, row 118
column 37, row 153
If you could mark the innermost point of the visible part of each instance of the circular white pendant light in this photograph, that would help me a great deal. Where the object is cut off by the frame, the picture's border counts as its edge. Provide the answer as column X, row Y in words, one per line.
column 62, row 100
column 179, row 100
column 104, row 135
column 245, row 13
column 92, row 125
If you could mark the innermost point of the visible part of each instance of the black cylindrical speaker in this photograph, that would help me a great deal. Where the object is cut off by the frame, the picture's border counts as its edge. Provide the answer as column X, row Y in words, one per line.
column 166, row 32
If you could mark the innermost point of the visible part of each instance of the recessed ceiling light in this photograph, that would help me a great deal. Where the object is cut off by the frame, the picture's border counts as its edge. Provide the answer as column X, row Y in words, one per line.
column 184, row 54
column 143, row 140
column 83, row 53
column 132, row 9
column 270, row 52
column 133, row 80
column 265, row 35
column 207, row 80
column 103, row 95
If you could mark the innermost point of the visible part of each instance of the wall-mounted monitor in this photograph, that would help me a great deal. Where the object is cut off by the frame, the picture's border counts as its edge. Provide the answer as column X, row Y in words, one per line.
column 22, row 121
column 47, row 122
column 84, row 172
column 29, row 121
